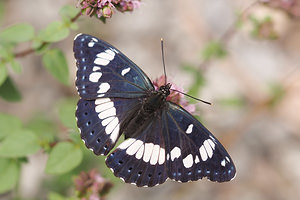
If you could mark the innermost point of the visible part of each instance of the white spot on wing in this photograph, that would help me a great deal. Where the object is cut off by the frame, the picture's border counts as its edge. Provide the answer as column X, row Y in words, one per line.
column 95, row 76
column 101, row 61
column 105, row 56
column 197, row 160
column 148, row 151
column 134, row 147
column 96, row 68
column 107, row 121
column 107, row 113
column 125, row 71
column 140, row 153
column 114, row 135
column 175, row 153
column 126, row 143
column 203, row 153
column 223, row 162
column 155, row 154
column 101, row 100
column 188, row 161
column 189, row 129
column 104, row 106
column 103, row 87
column 77, row 36
column 162, row 156
column 110, row 127
column 208, row 148
column 227, row 159
column 95, row 39
column 111, row 51
column 212, row 144
column 91, row 43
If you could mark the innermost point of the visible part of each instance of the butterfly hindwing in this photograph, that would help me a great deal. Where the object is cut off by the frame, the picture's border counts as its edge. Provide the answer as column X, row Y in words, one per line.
column 103, row 71
column 100, row 121
column 194, row 152
column 141, row 160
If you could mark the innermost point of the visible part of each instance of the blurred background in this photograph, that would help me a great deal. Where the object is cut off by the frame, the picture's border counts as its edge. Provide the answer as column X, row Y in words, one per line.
column 243, row 56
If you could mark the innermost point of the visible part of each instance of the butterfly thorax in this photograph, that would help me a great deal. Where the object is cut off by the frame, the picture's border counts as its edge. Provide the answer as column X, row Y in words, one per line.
column 151, row 107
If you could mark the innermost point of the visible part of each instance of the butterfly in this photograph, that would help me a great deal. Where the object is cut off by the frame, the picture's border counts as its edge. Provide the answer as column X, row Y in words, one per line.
column 162, row 139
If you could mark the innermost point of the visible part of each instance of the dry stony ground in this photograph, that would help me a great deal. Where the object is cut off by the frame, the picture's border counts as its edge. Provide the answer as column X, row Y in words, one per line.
column 264, row 142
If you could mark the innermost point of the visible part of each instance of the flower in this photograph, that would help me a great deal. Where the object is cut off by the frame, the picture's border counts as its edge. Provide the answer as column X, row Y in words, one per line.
column 104, row 9
column 174, row 96
column 91, row 185
column 292, row 7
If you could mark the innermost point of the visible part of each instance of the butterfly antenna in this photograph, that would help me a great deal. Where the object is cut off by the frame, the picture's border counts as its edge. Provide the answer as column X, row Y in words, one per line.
column 163, row 59
column 206, row 102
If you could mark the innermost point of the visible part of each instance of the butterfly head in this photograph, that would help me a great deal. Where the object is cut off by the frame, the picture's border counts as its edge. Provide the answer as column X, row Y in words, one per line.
column 165, row 90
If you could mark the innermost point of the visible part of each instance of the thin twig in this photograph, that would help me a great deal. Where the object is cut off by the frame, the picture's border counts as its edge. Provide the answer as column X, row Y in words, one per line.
column 31, row 50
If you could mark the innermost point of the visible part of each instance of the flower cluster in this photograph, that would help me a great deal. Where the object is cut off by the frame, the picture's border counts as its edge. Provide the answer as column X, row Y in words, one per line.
column 91, row 185
column 174, row 96
column 104, row 8
column 292, row 7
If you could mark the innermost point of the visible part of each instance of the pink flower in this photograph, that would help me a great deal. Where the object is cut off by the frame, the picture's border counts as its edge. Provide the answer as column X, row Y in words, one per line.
column 174, row 96
column 91, row 185
column 105, row 8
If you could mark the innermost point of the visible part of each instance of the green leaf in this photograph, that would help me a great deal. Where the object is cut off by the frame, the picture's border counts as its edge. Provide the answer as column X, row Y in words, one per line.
column 8, row 124
column 63, row 158
column 198, row 80
column 56, row 196
column 9, row 92
column 54, row 32
column 277, row 93
column 214, row 49
column 66, row 111
column 68, row 12
column 55, row 62
column 234, row 101
column 43, row 128
column 9, row 174
column 19, row 143
column 16, row 66
column 3, row 73
column 17, row 33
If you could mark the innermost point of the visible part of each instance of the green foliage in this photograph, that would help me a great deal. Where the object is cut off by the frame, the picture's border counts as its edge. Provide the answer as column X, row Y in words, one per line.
column 66, row 113
column 64, row 157
column 17, row 33
column 234, row 101
column 19, row 143
column 54, row 32
column 44, row 129
column 9, row 92
column 277, row 94
column 9, row 174
column 263, row 28
column 213, row 49
column 8, row 124
column 55, row 62
column 67, row 13
column 197, row 78
column 56, row 196
column 3, row 73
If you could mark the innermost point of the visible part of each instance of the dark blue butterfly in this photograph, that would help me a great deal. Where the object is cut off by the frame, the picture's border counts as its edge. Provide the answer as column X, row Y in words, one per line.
column 162, row 140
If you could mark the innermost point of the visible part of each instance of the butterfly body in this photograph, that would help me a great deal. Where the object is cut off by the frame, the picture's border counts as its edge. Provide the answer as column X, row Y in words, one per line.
column 162, row 140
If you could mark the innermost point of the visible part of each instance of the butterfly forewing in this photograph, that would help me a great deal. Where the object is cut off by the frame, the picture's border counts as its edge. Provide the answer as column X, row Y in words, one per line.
column 103, row 71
